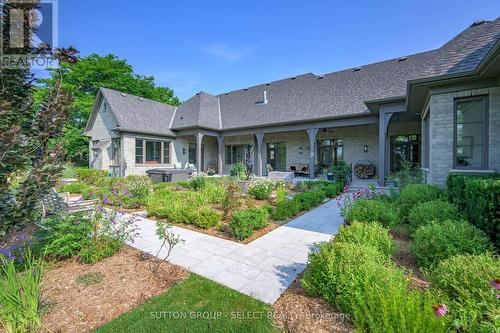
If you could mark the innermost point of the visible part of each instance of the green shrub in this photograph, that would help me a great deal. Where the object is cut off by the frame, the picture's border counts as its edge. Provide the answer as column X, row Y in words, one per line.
column 331, row 189
column 65, row 236
column 74, row 188
column 197, row 183
column 20, row 294
column 413, row 194
column 238, row 170
column 372, row 210
column 309, row 199
column 243, row 223
column 281, row 193
column 286, row 210
column 139, row 186
column 437, row 210
column 482, row 197
column 93, row 177
column 437, row 241
column 372, row 234
column 261, row 189
column 206, row 217
column 97, row 250
column 455, row 184
column 466, row 280
column 361, row 281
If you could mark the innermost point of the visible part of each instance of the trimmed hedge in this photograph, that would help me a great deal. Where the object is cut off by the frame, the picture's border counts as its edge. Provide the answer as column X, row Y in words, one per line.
column 413, row 194
column 426, row 212
column 310, row 199
column 478, row 196
column 243, row 223
column 437, row 241
column 373, row 234
column 372, row 210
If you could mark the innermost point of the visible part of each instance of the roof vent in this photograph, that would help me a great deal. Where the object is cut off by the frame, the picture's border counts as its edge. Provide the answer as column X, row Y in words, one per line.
column 246, row 89
column 293, row 78
column 402, row 59
column 264, row 101
column 478, row 22
column 320, row 77
column 141, row 99
column 226, row 94
column 123, row 94
column 268, row 84
column 357, row 69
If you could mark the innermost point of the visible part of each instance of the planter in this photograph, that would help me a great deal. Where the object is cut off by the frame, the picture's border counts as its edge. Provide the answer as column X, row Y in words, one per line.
column 244, row 184
column 330, row 176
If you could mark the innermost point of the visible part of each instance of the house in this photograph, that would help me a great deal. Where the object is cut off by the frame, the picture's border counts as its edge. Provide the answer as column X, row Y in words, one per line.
column 439, row 109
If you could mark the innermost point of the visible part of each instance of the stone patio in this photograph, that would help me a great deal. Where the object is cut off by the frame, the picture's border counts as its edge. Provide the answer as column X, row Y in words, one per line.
column 262, row 269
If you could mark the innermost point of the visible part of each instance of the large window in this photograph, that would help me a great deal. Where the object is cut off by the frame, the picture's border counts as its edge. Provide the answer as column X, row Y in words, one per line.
column 235, row 154
column 330, row 152
column 276, row 156
column 471, row 133
column 152, row 151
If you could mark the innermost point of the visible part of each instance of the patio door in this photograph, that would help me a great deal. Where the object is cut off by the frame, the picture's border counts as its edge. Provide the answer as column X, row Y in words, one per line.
column 276, row 156
column 404, row 148
column 330, row 152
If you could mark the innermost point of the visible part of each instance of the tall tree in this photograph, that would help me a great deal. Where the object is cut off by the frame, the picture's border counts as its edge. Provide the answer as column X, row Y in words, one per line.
column 82, row 80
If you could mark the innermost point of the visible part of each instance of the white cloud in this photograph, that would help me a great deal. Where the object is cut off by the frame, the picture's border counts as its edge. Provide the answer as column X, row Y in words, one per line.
column 226, row 52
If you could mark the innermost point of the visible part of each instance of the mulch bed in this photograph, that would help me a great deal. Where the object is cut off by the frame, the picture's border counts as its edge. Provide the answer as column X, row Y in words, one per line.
column 71, row 306
column 296, row 312
column 404, row 258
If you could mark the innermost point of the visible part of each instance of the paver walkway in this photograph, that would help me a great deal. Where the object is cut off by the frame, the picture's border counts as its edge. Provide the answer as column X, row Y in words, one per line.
column 263, row 268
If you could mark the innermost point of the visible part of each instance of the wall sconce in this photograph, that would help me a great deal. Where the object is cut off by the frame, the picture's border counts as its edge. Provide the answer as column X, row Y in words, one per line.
column 300, row 150
column 183, row 151
column 365, row 148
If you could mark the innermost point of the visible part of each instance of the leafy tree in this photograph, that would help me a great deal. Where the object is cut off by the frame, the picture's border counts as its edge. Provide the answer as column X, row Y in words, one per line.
column 82, row 80
column 29, row 164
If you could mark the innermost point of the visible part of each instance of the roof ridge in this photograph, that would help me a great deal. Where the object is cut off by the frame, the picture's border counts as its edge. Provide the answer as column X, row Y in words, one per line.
column 137, row 96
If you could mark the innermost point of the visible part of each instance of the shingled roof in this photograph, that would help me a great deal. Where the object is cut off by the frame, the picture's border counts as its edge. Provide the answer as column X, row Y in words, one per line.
column 309, row 97
column 137, row 114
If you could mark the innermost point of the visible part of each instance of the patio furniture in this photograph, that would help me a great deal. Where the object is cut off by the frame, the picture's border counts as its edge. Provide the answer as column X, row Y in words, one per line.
column 300, row 169
column 169, row 175
column 54, row 203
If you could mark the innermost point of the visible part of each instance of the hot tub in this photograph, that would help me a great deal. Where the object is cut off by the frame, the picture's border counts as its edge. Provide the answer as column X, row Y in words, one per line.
column 169, row 175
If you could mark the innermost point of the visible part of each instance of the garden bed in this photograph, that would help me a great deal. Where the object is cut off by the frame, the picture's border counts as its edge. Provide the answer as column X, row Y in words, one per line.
column 69, row 305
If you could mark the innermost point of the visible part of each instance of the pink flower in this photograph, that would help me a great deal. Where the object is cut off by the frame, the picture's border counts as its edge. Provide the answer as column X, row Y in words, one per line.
column 495, row 284
column 345, row 189
column 439, row 310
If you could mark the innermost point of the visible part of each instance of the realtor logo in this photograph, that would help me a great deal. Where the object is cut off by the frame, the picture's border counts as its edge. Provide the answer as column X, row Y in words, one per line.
column 29, row 33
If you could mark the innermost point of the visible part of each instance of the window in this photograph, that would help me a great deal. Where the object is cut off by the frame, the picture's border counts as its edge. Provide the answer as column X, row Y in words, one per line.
column 192, row 153
column 115, row 151
column 330, row 152
column 152, row 152
column 139, row 151
column 235, row 154
column 104, row 106
column 471, row 139
column 166, row 152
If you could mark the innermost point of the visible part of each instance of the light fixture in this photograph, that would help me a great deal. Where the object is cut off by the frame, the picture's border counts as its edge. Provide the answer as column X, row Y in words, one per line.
column 183, row 151
column 300, row 150
column 365, row 148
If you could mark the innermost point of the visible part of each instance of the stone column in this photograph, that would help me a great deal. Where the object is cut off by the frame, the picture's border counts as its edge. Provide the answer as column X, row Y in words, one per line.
column 383, row 122
column 199, row 138
column 312, row 132
column 260, row 159
column 220, row 154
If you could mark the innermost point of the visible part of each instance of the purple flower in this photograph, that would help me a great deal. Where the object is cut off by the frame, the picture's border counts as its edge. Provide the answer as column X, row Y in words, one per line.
column 105, row 199
column 23, row 236
column 495, row 284
column 439, row 310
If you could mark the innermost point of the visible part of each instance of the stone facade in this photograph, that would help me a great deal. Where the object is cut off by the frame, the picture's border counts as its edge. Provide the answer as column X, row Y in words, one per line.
column 441, row 129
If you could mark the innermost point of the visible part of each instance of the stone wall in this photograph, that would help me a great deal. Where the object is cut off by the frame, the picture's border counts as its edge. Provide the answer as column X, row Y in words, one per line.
column 441, row 108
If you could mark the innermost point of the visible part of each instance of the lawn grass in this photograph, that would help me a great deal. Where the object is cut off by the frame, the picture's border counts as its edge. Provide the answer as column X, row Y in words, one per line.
column 182, row 308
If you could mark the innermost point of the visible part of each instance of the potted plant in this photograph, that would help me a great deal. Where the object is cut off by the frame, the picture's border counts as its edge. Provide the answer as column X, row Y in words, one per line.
column 210, row 172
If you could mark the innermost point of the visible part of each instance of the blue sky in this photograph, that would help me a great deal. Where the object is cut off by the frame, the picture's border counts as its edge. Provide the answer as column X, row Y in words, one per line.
column 218, row 46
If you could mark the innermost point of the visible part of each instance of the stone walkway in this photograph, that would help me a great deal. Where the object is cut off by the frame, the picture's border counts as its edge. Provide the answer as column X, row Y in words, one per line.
column 262, row 269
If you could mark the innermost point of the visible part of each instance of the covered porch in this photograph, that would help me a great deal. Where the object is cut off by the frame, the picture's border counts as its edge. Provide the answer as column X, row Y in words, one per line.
column 309, row 149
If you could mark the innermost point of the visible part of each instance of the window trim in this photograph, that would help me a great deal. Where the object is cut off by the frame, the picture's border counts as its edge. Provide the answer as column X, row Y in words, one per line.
column 231, row 147
column 486, row 127
column 162, row 151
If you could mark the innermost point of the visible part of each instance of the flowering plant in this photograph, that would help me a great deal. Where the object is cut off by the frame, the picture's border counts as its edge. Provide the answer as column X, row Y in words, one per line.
column 345, row 202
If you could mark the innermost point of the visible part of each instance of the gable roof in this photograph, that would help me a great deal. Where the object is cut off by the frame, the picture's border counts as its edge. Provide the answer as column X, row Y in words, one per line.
column 136, row 114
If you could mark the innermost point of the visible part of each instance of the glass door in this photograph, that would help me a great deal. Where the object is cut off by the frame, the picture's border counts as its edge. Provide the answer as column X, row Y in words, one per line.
column 404, row 148
column 276, row 156
column 330, row 152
